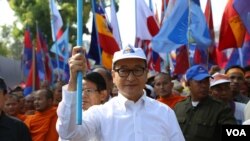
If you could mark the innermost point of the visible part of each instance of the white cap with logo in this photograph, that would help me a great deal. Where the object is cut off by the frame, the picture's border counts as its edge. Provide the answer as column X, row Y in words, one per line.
column 127, row 53
column 218, row 78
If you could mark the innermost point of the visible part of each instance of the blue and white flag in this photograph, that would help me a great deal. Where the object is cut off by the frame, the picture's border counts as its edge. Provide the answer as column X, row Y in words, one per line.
column 61, row 46
column 174, row 31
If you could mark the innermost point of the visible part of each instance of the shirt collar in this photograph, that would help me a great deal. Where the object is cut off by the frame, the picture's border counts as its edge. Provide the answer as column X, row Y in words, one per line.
column 124, row 102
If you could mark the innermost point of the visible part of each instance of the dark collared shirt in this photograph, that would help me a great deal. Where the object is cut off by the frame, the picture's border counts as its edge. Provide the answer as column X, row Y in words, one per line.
column 12, row 129
column 203, row 122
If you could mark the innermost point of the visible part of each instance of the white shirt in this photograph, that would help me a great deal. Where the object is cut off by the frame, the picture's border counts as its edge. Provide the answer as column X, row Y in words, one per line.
column 247, row 111
column 119, row 119
column 239, row 112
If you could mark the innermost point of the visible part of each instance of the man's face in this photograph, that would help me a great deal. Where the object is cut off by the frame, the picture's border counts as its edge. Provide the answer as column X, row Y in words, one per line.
column 199, row 89
column 11, row 106
column 163, row 85
column 91, row 96
column 237, row 79
column 130, row 86
column 222, row 91
column 41, row 103
column 21, row 99
column 29, row 102
column 57, row 94
column 247, row 79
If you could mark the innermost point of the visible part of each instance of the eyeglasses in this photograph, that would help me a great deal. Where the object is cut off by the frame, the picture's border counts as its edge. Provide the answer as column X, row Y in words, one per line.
column 125, row 72
column 89, row 91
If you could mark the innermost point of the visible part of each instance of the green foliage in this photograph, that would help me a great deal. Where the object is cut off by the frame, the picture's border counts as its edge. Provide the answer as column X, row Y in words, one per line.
column 4, row 42
column 30, row 12
column 4, row 50
column 9, row 46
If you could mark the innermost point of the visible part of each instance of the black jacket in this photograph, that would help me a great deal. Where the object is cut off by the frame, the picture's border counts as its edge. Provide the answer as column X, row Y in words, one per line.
column 203, row 123
column 12, row 129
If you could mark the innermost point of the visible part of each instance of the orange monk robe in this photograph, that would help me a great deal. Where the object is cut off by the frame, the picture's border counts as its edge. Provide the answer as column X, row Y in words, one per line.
column 21, row 117
column 171, row 100
column 30, row 112
column 42, row 125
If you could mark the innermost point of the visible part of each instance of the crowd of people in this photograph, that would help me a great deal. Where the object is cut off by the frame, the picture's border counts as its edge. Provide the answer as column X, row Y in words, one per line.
column 126, row 104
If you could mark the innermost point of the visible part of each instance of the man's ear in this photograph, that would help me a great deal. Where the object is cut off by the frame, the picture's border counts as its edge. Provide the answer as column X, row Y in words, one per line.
column 113, row 75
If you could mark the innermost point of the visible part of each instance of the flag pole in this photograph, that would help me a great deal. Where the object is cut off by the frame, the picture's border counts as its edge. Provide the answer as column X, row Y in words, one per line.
column 79, row 74
column 33, row 68
column 167, row 63
column 64, row 64
column 39, row 43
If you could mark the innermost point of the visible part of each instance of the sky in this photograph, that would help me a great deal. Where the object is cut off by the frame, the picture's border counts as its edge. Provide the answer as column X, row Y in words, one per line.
column 126, row 16
column 6, row 14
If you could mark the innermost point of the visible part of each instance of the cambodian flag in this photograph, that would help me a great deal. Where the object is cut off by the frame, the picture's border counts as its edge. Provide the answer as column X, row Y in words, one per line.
column 27, row 52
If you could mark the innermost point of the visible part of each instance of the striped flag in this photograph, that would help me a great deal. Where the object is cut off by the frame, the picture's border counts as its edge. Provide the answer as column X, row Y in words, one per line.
column 147, row 27
column 243, row 9
column 56, row 21
column 105, row 37
column 114, row 25
column 232, row 30
column 27, row 52
column 61, row 46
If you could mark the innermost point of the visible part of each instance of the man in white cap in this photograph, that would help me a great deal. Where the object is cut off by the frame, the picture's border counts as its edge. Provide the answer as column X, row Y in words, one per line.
column 131, row 116
column 220, row 89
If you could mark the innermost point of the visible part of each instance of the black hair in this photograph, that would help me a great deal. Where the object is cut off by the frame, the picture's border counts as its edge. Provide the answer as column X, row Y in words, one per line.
column 247, row 68
column 96, row 78
column 16, row 89
column 150, row 81
column 107, row 72
column 3, row 85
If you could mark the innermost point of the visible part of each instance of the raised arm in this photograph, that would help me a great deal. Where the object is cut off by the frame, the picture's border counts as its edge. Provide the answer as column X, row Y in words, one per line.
column 66, row 126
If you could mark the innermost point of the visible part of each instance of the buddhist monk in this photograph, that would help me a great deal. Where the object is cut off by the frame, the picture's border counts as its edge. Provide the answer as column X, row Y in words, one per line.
column 42, row 124
column 11, row 107
column 163, row 88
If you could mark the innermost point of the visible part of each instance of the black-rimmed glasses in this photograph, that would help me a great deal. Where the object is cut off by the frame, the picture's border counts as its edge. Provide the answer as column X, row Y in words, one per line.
column 89, row 91
column 122, row 72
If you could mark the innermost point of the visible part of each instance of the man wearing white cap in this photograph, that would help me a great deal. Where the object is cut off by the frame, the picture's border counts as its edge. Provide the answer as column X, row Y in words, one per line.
column 131, row 116
column 220, row 88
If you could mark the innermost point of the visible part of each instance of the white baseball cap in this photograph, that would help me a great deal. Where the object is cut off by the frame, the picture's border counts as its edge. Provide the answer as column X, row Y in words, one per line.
column 127, row 53
column 218, row 78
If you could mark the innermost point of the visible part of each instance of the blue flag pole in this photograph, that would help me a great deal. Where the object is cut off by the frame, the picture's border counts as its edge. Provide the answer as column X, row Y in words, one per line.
column 79, row 74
